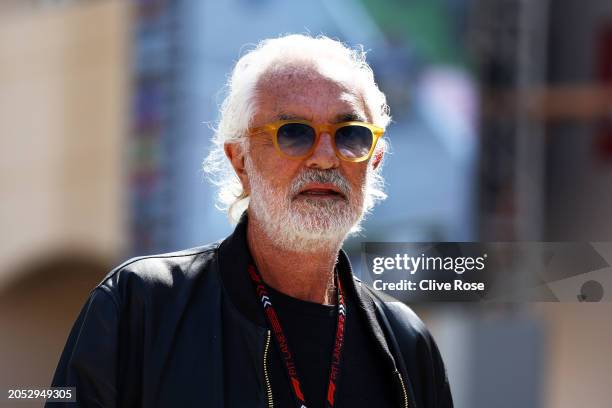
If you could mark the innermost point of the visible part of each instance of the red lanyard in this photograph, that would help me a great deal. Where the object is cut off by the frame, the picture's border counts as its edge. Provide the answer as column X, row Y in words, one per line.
column 334, row 372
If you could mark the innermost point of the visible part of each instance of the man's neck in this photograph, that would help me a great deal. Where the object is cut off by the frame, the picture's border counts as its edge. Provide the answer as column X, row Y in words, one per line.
column 303, row 275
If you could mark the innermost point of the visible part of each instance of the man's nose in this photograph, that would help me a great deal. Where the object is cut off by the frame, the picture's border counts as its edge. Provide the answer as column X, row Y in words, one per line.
column 324, row 156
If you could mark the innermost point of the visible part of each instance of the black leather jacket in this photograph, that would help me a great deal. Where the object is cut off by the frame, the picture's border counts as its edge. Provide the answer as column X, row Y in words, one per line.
column 185, row 330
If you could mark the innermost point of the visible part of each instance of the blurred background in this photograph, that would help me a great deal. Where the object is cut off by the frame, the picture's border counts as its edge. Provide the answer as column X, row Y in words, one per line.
column 502, row 132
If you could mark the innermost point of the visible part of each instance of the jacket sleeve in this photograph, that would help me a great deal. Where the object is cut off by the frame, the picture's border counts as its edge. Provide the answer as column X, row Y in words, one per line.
column 89, row 359
column 441, row 385
column 421, row 356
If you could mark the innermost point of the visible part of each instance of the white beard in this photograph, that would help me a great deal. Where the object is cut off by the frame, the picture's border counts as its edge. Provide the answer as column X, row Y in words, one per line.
column 302, row 224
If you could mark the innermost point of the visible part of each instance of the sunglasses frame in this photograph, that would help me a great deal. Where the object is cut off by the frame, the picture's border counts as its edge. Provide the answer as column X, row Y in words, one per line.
column 331, row 129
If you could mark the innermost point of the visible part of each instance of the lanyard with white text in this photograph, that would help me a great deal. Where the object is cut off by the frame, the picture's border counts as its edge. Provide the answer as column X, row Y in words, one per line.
column 334, row 372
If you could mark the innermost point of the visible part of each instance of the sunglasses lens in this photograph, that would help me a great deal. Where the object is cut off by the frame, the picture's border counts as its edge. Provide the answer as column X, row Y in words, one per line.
column 354, row 142
column 295, row 139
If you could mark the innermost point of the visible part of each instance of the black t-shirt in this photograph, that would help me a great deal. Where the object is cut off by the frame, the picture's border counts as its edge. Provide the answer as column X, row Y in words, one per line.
column 310, row 329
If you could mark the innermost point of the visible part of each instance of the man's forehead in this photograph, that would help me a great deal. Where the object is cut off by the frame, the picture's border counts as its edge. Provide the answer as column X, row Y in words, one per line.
column 303, row 93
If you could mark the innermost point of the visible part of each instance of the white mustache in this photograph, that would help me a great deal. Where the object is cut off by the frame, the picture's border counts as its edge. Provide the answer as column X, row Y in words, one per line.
column 320, row 176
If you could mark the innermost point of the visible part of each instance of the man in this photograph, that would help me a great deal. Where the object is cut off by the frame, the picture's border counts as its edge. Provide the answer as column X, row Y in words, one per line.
column 270, row 316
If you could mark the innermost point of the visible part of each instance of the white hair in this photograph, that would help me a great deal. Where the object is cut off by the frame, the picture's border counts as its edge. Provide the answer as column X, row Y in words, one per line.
column 238, row 107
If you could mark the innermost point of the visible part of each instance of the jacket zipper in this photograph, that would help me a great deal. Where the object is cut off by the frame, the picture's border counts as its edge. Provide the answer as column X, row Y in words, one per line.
column 405, row 394
column 266, row 376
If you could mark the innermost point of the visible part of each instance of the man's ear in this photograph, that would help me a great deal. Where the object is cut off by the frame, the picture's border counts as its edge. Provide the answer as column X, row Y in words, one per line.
column 377, row 158
column 235, row 153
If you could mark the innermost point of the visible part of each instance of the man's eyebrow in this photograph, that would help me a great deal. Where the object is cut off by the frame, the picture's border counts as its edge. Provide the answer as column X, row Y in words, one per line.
column 343, row 117
column 350, row 117
column 288, row 116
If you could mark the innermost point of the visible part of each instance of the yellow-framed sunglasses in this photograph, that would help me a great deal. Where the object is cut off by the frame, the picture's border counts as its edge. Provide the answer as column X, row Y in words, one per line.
column 353, row 141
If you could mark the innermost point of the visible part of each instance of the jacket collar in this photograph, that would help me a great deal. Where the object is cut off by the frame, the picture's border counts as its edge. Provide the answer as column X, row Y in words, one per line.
column 234, row 258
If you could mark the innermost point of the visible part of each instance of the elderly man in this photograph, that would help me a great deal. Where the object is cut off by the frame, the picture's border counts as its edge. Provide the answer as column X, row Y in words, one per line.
column 272, row 315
